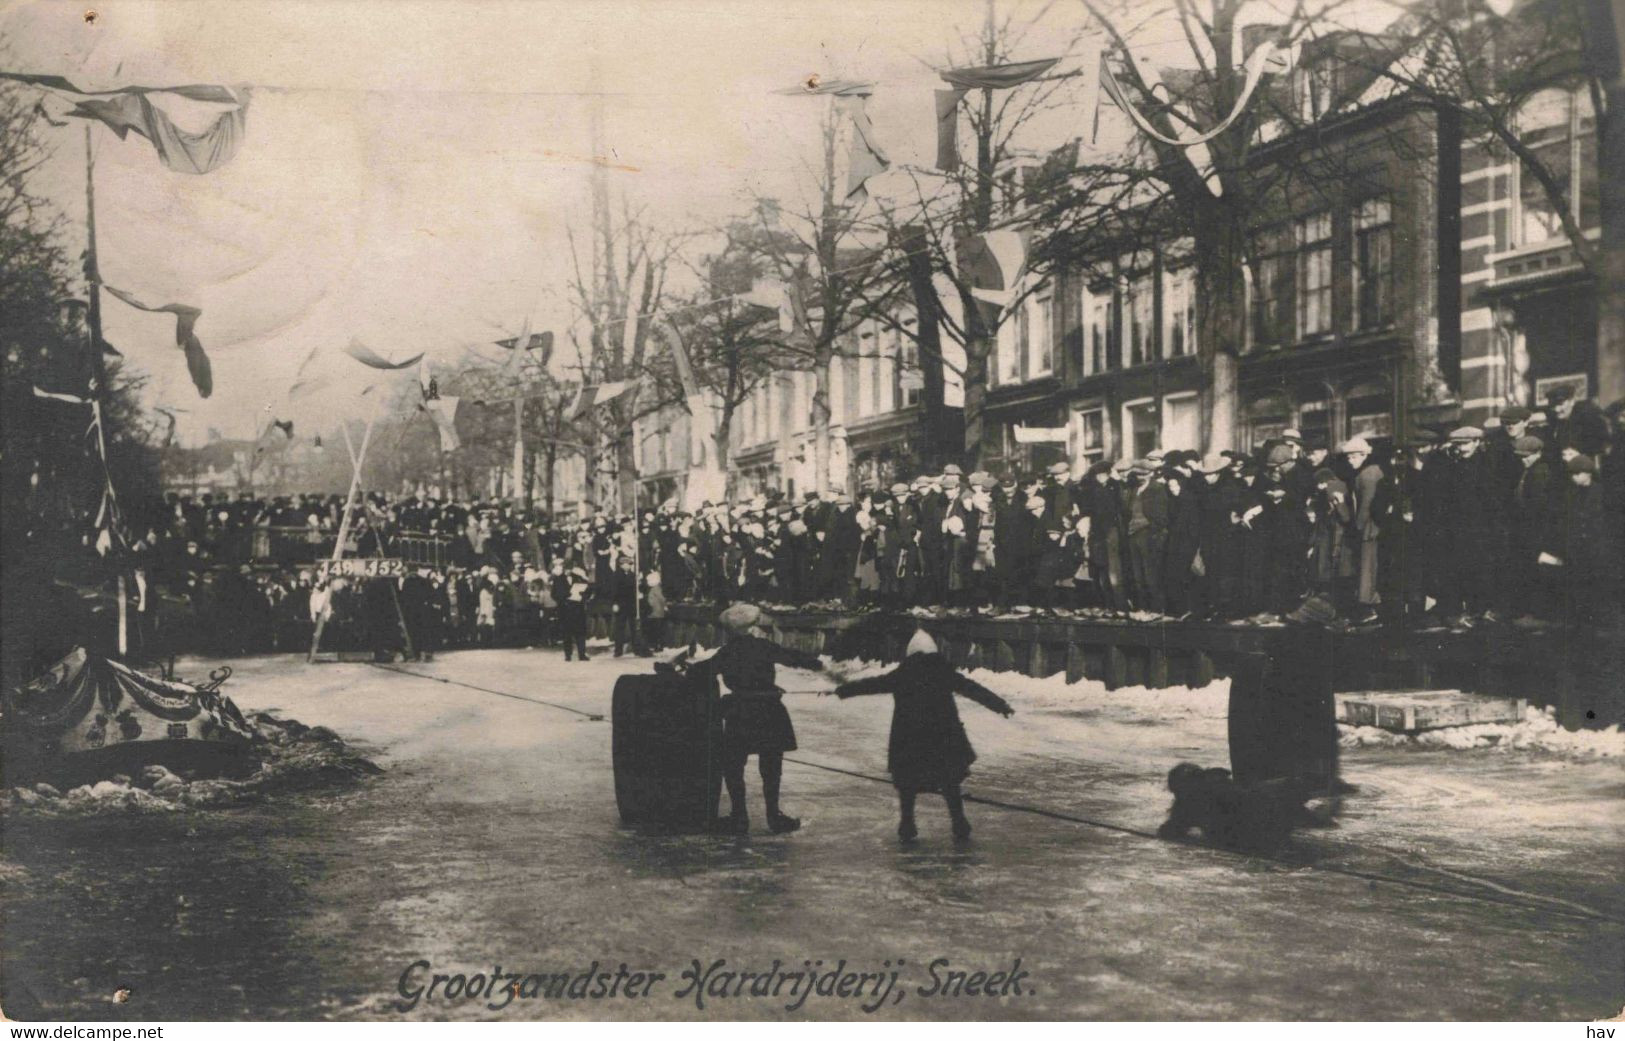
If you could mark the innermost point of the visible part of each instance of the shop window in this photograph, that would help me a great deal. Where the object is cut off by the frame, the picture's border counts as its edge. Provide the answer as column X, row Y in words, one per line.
column 1181, row 422
column 1266, row 419
column 1140, row 431
column 1315, row 423
column 1087, row 436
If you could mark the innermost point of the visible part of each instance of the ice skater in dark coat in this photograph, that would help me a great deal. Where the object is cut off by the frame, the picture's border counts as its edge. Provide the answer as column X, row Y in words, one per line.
column 928, row 750
column 754, row 719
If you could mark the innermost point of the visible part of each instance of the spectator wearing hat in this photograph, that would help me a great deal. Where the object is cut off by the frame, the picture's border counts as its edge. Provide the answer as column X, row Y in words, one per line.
column 1468, row 510
column 842, row 539
column 1529, row 516
column 1221, row 508
column 1057, row 495
column 1100, row 498
column 1331, row 515
column 1048, row 552
column 1582, row 542
column 1577, row 425
column 1182, row 567
column 933, row 504
column 1143, row 555
column 1012, row 542
column 1367, row 474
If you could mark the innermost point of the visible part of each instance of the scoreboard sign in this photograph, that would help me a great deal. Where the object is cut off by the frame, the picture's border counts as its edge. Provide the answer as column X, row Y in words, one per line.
column 364, row 567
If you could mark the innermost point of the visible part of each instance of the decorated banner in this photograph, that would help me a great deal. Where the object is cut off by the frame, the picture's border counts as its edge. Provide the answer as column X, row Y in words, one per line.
column 197, row 362
column 372, row 359
column 127, row 109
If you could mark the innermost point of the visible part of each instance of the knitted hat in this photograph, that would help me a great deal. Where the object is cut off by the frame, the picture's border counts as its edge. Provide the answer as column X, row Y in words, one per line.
column 740, row 617
column 920, row 643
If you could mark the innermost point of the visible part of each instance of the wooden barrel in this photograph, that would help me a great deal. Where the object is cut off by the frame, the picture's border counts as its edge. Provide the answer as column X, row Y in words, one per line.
column 665, row 738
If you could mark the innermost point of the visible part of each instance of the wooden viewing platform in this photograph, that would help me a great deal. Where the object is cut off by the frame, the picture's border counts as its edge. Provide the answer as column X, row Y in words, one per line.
column 1491, row 660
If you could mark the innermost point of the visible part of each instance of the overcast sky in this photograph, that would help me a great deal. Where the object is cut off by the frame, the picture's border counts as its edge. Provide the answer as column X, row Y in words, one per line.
column 411, row 168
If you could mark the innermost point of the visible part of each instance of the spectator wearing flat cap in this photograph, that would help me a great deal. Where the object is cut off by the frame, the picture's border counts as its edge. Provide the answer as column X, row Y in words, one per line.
column 1367, row 474
column 1578, row 424
column 1583, row 544
column 1100, row 498
column 1470, row 557
column 1529, row 515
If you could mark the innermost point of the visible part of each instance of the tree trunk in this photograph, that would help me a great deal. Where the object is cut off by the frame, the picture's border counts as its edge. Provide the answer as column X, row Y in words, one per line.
column 933, row 407
column 977, row 353
column 1220, row 323
column 725, row 424
column 550, row 457
column 1611, row 276
column 820, row 405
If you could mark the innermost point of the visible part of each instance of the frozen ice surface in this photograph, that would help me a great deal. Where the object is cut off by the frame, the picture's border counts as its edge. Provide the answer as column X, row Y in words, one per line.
column 492, row 837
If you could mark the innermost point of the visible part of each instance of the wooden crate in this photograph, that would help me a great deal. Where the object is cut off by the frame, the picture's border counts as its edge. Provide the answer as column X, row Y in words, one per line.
column 1407, row 711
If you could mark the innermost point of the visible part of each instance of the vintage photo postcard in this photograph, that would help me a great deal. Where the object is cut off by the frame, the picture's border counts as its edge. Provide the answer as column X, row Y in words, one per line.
column 840, row 510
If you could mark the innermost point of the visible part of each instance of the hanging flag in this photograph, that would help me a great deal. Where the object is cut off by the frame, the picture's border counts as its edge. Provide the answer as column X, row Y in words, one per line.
column 197, row 362
column 51, row 395
column 840, row 88
column 443, row 410
column 371, row 358
column 774, row 295
column 998, row 77
column 591, row 395
column 993, row 263
column 863, row 158
column 133, row 108
column 534, row 342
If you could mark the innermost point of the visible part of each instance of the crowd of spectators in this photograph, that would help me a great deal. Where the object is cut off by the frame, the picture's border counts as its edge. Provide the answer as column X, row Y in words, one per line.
column 1519, row 523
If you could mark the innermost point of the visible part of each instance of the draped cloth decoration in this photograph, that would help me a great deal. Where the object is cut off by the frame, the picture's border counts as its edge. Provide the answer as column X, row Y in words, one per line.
column 371, row 358
column 982, row 77
column 1255, row 69
column 840, row 88
column 443, row 410
column 129, row 109
column 998, row 77
column 592, row 395
column 197, row 361
column 993, row 262
column 864, row 158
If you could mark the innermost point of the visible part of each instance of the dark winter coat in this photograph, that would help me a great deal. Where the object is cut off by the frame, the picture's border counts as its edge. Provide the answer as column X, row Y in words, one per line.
column 928, row 750
column 754, row 720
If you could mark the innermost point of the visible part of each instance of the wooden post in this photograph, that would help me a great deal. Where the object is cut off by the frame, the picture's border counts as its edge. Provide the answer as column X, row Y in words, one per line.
column 356, row 461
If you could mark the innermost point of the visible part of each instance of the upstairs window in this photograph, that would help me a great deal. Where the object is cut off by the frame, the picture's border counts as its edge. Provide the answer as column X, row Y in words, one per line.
column 1314, row 275
column 1179, row 313
column 1373, row 267
column 1137, row 308
column 1560, row 128
column 1270, row 322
